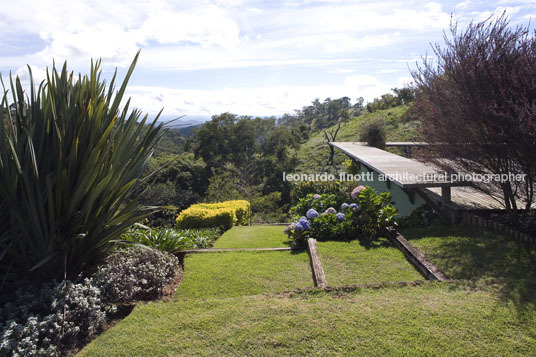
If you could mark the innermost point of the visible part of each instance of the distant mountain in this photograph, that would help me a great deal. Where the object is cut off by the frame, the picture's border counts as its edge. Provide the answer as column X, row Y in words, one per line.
column 186, row 121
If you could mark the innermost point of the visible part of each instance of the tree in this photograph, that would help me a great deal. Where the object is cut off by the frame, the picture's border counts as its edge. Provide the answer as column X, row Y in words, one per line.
column 331, row 135
column 477, row 102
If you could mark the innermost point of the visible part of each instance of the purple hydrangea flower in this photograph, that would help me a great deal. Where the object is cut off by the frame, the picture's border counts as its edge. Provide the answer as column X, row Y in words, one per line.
column 312, row 214
column 316, row 196
column 302, row 220
column 354, row 206
column 340, row 216
column 306, row 225
column 344, row 206
column 330, row 210
column 298, row 227
column 355, row 192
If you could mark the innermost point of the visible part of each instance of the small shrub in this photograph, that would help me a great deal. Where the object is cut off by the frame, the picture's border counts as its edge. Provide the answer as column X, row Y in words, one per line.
column 136, row 273
column 374, row 134
column 171, row 240
column 52, row 319
column 221, row 214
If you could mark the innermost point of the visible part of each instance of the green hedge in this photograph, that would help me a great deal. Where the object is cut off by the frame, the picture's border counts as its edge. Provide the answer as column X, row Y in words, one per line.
column 222, row 214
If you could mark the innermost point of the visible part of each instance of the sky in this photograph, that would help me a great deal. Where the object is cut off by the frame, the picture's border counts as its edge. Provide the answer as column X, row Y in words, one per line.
column 248, row 57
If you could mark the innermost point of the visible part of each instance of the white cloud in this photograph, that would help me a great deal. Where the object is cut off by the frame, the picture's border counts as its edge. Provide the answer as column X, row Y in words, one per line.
column 262, row 101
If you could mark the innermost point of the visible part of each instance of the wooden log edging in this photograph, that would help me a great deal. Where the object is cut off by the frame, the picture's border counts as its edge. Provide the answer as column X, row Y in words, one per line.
column 319, row 276
column 219, row 250
column 473, row 220
column 414, row 255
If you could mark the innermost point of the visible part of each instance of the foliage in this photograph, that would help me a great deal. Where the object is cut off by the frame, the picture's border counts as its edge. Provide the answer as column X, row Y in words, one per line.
column 170, row 240
column 373, row 133
column 402, row 96
column 69, row 157
column 268, row 209
column 52, row 319
column 250, row 155
column 341, row 189
column 136, row 273
column 176, row 180
column 488, row 71
column 320, row 115
column 222, row 214
column 423, row 216
column 365, row 218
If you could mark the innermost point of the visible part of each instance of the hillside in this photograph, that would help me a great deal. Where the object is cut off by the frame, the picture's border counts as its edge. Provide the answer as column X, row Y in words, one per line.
column 314, row 153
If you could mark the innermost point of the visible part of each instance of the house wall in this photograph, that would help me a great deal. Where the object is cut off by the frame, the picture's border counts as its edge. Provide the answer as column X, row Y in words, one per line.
column 398, row 197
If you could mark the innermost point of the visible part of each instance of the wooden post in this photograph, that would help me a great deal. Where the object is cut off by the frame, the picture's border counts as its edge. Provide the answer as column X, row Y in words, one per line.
column 318, row 272
column 445, row 194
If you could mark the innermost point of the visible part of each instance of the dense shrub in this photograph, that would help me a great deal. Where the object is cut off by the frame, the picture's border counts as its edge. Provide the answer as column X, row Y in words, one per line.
column 373, row 133
column 364, row 216
column 171, row 240
column 136, row 273
column 69, row 158
column 49, row 320
column 221, row 214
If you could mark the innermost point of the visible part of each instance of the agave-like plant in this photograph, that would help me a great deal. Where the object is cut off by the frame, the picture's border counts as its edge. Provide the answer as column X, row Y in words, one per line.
column 69, row 158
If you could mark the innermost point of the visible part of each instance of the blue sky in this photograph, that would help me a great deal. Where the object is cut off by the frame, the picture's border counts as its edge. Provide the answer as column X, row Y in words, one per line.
column 200, row 58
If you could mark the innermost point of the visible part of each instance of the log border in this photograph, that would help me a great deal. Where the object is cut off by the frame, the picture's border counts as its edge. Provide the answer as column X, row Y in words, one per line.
column 415, row 256
column 319, row 277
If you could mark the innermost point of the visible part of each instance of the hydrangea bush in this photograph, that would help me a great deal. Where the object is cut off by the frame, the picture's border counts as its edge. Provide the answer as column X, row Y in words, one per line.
column 363, row 216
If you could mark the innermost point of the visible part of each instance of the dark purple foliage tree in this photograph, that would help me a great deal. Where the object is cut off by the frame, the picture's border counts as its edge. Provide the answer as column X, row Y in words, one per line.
column 477, row 102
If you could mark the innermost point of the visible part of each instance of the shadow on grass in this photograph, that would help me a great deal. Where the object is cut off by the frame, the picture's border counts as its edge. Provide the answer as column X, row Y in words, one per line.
column 487, row 259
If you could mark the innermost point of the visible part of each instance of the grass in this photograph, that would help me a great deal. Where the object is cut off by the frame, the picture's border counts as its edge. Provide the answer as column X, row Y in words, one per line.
column 253, row 237
column 243, row 273
column 225, row 304
column 489, row 259
column 347, row 263
column 429, row 320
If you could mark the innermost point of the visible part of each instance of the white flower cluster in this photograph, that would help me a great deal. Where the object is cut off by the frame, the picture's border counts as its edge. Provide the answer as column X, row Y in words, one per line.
column 34, row 324
column 136, row 274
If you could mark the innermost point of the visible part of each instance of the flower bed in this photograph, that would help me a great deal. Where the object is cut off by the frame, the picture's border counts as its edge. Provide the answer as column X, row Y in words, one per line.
column 363, row 216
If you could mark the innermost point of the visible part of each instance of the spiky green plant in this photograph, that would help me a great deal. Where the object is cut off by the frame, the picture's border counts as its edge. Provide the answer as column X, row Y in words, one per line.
column 69, row 157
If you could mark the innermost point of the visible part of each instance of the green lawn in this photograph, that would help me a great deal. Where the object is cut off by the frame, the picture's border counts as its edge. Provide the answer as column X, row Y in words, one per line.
column 226, row 304
column 489, row 259
column 429, row 320
column 347, row 263
column 253, row 237
column 243, row 273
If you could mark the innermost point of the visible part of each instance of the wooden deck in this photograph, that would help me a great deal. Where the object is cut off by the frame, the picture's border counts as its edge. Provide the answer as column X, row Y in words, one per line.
column 406, row 173
column 468, row 198
column 439, row 192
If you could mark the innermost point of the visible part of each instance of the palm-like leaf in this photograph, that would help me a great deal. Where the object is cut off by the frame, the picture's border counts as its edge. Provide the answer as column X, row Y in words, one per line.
column 68, row 160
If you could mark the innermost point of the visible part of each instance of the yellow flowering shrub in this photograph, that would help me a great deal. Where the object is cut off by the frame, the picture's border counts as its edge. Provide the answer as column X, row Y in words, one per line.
column 222, row 214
